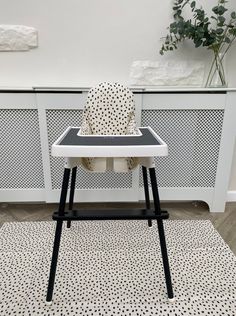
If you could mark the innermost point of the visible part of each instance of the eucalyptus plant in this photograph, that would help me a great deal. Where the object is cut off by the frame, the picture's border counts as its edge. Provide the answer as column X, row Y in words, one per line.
column 215, row 32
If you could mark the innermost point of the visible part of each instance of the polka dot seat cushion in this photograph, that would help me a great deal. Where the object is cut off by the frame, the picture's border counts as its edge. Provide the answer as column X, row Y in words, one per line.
column 110, row 110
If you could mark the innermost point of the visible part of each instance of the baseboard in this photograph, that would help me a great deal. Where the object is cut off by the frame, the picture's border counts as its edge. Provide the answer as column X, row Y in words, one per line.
column 22, row 195
column 184, row 194
column 36, row 195
column 231, row 196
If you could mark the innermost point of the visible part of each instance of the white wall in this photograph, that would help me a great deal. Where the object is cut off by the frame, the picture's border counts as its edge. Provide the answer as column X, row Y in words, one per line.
column 83, row 42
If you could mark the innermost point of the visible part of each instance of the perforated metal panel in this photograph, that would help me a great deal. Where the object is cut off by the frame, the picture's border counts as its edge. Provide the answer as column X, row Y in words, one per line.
column 57, row 122
column 21, row 159
column 193, row 138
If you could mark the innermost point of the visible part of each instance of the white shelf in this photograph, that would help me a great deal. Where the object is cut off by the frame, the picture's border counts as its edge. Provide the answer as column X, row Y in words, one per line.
column 133, row 88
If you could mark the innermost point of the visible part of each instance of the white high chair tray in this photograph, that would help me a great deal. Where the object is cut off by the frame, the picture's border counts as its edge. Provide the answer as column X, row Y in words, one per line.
column 146, row 144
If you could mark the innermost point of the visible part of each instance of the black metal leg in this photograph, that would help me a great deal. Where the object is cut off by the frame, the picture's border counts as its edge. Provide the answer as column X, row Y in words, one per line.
column 146, row 192
column 72, row 192
column 161, row 234
column 57, row 236
column 54, row 261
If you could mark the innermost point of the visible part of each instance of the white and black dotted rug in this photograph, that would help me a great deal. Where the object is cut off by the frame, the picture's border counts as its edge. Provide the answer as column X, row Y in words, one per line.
column 115, row 268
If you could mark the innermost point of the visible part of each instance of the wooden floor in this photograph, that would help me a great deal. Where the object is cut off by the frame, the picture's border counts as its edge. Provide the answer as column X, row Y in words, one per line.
column 225, row 223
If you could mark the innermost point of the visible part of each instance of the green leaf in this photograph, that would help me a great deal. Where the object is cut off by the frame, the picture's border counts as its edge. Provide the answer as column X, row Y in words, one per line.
column 200, row 28
column 219, row 31
column 222, row 10
column 221, row 19
column 198, row 43
column 232, row 31
column 233, row 15
column 173, row 24
column 219, row 10
column 215, row 9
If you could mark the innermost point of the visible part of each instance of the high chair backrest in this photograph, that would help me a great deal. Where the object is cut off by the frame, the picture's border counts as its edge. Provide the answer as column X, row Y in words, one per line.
column 110, row 110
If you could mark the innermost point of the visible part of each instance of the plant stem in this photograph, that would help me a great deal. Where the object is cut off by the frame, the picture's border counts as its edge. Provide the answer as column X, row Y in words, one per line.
column 208, row 78
column 221, row 62
column 228, row 47
column 218, row 68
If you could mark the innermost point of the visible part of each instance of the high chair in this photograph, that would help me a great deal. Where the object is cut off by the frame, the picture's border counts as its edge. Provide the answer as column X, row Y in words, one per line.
column 109, row 139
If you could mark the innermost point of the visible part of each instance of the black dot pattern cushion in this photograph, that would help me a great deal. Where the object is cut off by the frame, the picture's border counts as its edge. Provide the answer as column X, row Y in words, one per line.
column 110, row 110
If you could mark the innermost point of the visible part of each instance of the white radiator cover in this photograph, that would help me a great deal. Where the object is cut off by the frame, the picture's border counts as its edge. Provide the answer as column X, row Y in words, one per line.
column 198, row 128
column 193, row 138
column 21, row 158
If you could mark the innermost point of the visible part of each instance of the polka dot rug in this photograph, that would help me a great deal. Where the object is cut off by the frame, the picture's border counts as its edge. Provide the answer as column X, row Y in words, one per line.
column 115, row 268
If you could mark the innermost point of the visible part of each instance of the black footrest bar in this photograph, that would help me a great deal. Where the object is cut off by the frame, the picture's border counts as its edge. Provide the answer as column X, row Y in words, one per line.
column 115, row 214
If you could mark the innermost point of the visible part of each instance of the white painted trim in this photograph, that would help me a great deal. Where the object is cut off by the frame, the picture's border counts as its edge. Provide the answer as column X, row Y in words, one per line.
column 135, row 182
column 138, row 99
column 44, row 146
column 96, row 195
column 183, row 194
column 59, row 88
column 146, row 88
column 183, row 101
column 111, row 195
column 182, row 89
column 225, row 154
column 135, row 174
column 17, row 101
column 22, row 195
column 16, row 88
column 118, row 195
column 60, row 101
column 231, row 196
